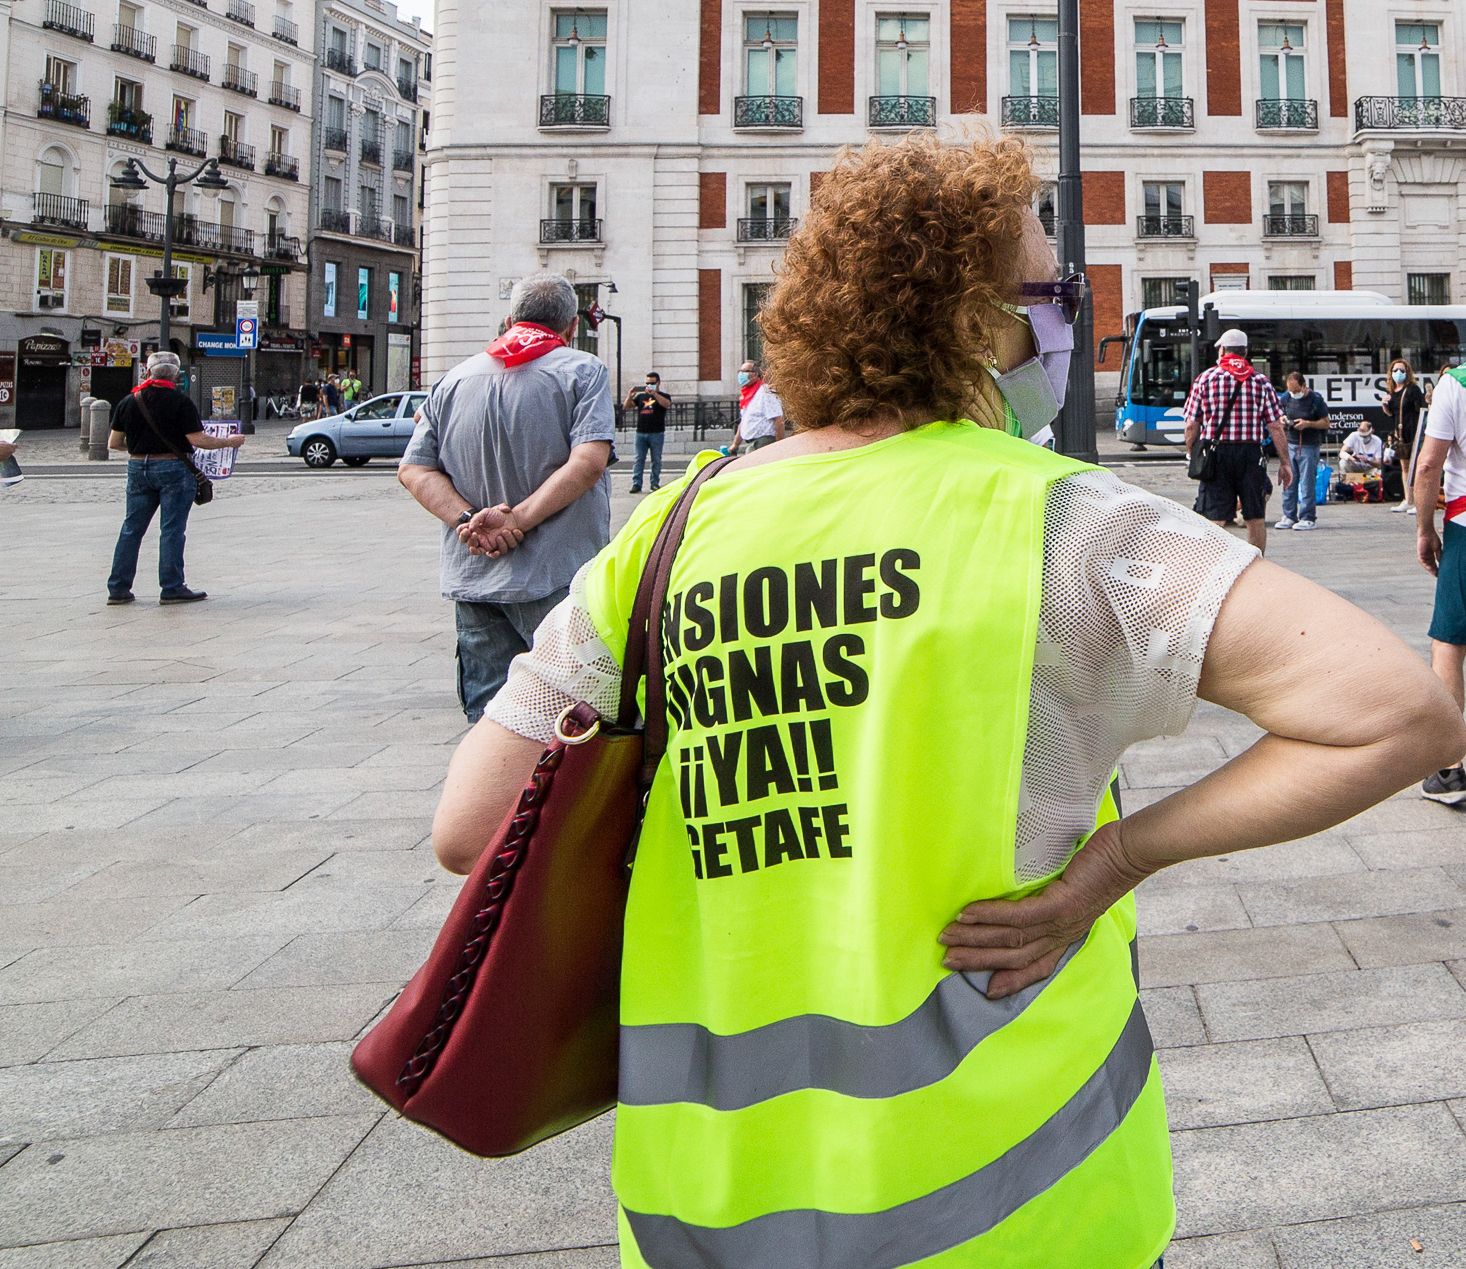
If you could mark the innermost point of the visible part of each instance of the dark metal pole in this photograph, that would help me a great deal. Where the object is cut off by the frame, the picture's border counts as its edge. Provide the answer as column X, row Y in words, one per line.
column 170, row 187
column 1075, row 428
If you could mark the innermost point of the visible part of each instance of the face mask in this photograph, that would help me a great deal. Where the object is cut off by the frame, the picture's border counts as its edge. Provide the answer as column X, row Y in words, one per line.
column 744, row 378
column 1398, row 376
column 1034, row 391
column 1297, row 396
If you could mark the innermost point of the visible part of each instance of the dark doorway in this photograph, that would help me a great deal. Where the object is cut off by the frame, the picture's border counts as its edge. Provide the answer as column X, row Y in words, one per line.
column 111, row 383
column 40, row 396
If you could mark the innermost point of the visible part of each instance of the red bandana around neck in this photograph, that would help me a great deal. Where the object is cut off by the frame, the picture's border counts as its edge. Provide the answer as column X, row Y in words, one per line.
column 748, row 392
column 524, row 341
column 154, row 383
column 1237, row 367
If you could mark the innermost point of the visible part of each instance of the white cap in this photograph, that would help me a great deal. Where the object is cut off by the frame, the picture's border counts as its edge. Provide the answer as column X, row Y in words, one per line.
column 1233, row 338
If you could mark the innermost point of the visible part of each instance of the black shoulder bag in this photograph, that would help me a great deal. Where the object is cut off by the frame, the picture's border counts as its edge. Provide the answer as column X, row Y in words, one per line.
column 203, row 486
column 1203, row 464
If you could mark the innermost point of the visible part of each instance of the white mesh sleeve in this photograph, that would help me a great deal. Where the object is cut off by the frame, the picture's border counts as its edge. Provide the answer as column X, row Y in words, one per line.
column 1131, row 588
column 568, row 663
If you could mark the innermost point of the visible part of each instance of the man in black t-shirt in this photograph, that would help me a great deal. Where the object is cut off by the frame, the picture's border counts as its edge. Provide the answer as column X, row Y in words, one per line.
column 1307, row 422
column 650, row 404
column 159, row 427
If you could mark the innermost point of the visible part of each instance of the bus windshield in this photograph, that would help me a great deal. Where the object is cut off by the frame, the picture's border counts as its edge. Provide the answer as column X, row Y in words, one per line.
column 1162, row 364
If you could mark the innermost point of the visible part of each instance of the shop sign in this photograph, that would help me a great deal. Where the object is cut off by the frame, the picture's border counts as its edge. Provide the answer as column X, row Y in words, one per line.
column 47, row 240
column 282, row 343
column 44, row 350
column 217, row 345
column 7, row 378
column 91, row 337
column 153, row 253
column 346, row 341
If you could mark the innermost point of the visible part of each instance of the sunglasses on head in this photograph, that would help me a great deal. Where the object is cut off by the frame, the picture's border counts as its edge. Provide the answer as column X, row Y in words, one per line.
column 1067, row 293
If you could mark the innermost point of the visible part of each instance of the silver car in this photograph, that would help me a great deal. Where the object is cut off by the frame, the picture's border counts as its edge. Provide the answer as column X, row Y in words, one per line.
column 379, row 428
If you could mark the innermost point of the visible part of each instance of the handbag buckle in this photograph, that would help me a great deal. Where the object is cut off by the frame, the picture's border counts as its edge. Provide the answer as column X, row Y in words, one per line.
column 576, row 738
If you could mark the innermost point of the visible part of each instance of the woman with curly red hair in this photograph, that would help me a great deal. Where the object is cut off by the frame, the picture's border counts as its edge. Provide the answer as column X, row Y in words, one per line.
column 879, row 999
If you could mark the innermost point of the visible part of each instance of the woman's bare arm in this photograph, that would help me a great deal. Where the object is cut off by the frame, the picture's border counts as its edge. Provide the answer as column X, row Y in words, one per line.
column 489, row 769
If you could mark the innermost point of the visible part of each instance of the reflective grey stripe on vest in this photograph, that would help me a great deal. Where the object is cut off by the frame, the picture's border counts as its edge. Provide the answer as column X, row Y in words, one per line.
column 685, row 1062
column 945, row 1218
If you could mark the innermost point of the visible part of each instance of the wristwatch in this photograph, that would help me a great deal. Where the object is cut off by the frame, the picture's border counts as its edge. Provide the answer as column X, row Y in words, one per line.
column 465, row 516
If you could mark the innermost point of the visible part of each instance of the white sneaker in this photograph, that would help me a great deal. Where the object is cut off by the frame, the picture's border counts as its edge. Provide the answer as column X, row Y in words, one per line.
column 1412, row 511
column 1285, row 523
column 1305, row 526
column 1399, row 507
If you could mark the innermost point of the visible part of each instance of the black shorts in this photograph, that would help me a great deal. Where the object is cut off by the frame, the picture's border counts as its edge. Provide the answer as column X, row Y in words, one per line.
column 1241, row 477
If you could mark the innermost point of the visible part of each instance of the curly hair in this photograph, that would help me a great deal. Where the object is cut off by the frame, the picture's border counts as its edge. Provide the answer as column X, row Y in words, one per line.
column 884, row 305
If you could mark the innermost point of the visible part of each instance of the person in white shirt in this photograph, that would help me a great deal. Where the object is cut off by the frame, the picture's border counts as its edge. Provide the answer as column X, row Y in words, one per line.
column 1362, row 450
column 760, row 414
column 1443, row 453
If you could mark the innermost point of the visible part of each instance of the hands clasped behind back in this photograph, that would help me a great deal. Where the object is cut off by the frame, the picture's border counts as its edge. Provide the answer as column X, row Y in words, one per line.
column 494, row 532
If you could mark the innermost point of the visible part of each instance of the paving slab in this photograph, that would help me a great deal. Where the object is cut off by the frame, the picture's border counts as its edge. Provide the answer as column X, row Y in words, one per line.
column 1329, row 1002
column 1410, row 938
column 229, row 869
column 301, row 756
column 81, row 1253
column 1378, row 1241
column 214, row 1020
column 132, row 968
column 237, row 1245
column 1391, row 1066
column 1320, row 856
column 56, row 1100
column 288, row 1081
column 1211, row 1084
column 178, row 1176
column 420, row 802
column 29, row 1032
column 1442, row 847
column 359, row 779
column 50, row 817
column 35, row 881
column 1376, row 893
column 605, row 1257
column 1223, row 1251
column 1161, row 909
column 63, row 922
column 418, row 866
column 1227, row 955
column 320, row 960
column 246, row 808
column 387, row 834
column 303, row 909
column 1252, row 1176
column 1173, row 1016
column 555, row 1196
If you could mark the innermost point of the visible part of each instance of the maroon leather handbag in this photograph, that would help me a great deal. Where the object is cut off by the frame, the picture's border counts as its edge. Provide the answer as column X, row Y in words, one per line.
column 508, row 1034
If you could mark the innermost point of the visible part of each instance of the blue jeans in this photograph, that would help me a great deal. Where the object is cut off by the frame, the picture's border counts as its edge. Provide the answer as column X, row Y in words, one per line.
column 154, row 483
column 648, row 443
column 1300, row 498
column 489, row 637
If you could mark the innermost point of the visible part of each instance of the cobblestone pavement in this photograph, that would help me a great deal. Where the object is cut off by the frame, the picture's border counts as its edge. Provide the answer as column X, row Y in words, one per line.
column 214, row 873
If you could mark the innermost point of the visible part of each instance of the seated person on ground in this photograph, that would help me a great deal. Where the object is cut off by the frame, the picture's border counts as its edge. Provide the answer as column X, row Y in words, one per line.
column 1362, row 451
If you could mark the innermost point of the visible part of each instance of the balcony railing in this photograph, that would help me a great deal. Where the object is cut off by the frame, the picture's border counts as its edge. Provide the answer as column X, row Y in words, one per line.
column 340, row 60
column 336, row 220
column 135, row 43
column 68, row 19
column 334, row 139
column 1411, row 113
column 371, row 152
column 403, row 235
column 277, row 314
column 280, row 246
column 127, row 221
column 240, row 11
column 1165, row 227
column 768, row 112
column 57, row 209
column 286, row 31
column 574, row 110
column 1287, row 113
column 285, row 166
column 369, row 225
column 407, row 88
column 1290, row 226
column 134, row 124
column 236, row 153
column 765, row 228
column 190, row 62
column 241, row 80
column 188, row 141
column 284, row 95
column 901, row 112
column 60, row 107
column 402, row 160
column 1030, row 112
column 210, row 235
column 570, row 231
column 1162, row 112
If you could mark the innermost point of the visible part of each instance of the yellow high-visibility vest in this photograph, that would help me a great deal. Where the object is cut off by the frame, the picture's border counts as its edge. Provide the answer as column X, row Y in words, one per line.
column 850, row 640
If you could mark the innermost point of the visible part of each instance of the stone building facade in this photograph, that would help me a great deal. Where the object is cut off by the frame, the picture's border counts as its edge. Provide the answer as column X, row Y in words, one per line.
column 670, row 149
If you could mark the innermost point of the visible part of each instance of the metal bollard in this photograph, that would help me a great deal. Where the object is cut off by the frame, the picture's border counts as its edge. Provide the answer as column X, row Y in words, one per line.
column 100, row 414
column 85, row 423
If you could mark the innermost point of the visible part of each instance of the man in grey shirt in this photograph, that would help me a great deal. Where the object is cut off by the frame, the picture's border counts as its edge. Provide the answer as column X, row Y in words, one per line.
column 515, row 441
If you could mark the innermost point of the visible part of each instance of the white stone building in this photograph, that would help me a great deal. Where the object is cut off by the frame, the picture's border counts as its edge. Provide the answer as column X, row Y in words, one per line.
column 668, row 148
column 90, row 84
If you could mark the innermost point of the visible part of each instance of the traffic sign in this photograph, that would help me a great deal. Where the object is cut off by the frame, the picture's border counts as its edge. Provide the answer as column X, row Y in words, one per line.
column 246, row 308
column 247, row 332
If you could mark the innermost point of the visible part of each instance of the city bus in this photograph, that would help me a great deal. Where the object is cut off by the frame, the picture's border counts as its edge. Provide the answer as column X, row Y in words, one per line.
column 1342, row 342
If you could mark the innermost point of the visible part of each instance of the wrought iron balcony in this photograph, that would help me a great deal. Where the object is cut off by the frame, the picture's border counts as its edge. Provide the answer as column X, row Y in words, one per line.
column 63, row 212
column 407, row 88
column 134, row 124
column 338, row 59
column 60, row 107
column 1287, row 114
column 334, row 139
column 240, row 11
column 1395, row 114
column 188, row 141
column 210, row 235
column 402, row 160
column 276, row 314
column 768, row 112
column 1290, row 226
column 285, row 166
column 901, row 112
column 1030, row 112
column 371, row 152
column 1165, row 227
column 574, row 110
column 284, row 95
column 241, row 80
column 765, row 228
column 404, row 236
column 190, row 62
column 1162, row 112
column 286, row 31
column 370, row 225
column 135, row 43
column 236, row 153
column 570, row 231
column 127, row 221
column 336, row 220
column 280, row 246
column 69, row 20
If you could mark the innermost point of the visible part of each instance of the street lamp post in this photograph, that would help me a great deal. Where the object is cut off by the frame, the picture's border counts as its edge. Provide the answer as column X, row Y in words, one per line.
column 248, row 279
column 1074, row 433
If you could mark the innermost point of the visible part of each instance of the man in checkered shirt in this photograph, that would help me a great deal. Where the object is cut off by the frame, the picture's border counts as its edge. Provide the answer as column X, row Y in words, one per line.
column 1236, row 406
